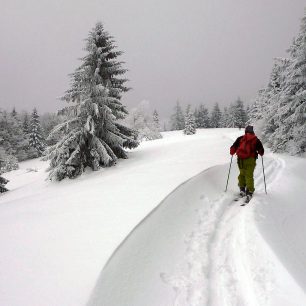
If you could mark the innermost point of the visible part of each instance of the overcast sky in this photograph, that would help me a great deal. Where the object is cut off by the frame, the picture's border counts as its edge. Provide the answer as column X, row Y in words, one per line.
column 197, row 51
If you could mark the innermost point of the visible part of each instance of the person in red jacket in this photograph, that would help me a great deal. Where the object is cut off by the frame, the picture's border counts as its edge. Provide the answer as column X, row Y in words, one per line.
column 247, row 148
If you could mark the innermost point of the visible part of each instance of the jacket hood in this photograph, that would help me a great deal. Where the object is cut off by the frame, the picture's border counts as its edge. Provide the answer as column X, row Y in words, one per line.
column 250, row 136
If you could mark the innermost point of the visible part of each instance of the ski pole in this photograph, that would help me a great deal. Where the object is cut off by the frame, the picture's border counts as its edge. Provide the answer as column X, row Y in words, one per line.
column 263, row 171
column 229, row 171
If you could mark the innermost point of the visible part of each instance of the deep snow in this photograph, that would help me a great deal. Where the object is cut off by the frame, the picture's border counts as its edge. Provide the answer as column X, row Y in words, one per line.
column 199, row 247
column 56, row 237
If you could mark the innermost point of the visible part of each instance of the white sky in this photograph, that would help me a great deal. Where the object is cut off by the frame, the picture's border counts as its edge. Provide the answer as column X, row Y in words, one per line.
column 199, row 51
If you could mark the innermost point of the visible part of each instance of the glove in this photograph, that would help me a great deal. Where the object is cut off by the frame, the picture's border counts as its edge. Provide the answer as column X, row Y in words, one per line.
column 232, row 150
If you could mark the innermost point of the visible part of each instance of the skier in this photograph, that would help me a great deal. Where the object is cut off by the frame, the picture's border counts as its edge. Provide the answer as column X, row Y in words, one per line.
column 247, row 148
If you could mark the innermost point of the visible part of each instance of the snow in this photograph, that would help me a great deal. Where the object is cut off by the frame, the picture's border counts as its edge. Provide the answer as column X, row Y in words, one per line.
column 156, row 229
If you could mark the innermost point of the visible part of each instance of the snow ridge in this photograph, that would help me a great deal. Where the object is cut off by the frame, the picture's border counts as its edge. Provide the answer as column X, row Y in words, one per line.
column 225, row 264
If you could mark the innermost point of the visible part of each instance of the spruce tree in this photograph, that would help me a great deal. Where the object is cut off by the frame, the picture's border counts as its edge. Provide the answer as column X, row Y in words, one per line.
column 8, row 160
column 15, row 133
column 256, row 112
column 247, row 114
column 5, row 130
column 272, row 100
column 215, row 118
column 225, row 120
column 190, row 126
column 177, row 119
column 281, row 106
column 3, row 181
column 201, row 117
column 156, row 120
column 239, row 114
column 36, row 139
column 14, row 113
column 291, row 121
column 196, row 117
column 26, row 124
column 92, row 135
column 11, row 133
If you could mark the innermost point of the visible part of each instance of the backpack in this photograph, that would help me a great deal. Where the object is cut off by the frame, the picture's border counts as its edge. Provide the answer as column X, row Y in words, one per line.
column 247, row 146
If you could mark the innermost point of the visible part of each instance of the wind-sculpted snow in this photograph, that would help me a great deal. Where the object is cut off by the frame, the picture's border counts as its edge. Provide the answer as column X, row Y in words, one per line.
column 138, row 269
column 199, row 247
column 283, row 214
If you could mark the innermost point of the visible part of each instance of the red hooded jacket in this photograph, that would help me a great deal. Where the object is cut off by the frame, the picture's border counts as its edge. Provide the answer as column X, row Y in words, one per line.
column 255, row 145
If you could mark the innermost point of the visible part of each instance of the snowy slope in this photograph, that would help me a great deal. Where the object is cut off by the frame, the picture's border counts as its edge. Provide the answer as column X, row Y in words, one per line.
column 196, row 248
column 56, row 237
column 201, row 248
column 282, row 215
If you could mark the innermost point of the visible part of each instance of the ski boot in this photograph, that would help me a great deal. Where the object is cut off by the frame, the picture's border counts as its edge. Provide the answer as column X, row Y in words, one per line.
column 248, row 196
column 242, row 193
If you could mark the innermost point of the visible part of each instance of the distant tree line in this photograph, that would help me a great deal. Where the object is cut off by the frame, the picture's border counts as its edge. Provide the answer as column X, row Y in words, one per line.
column 234, row 116
column 145, row 121
column 23, row 136
column 26, row 135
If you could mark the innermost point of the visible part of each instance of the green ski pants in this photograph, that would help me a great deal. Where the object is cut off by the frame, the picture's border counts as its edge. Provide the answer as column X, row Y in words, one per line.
column 246, row 175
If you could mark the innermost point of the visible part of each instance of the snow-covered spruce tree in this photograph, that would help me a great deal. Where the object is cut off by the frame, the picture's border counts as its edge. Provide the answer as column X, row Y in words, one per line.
column 28, row 152
column 92, row 135
column 8, row 160
column 282, row 105
column 196, row 116
column 236, row 115
column 26, row 124
column 247, row 114
column 36, row 139
column 3, row 182
column 5, row 132
column 239, row 114
column 272, row 99
column 190, row 126
column 215, row 118
column 11, row 133
column 156, row 120
column 225, row 119
column 290, row 121
column 257, row 108
column 201, row 117
column 177, row 119
column 265, row 106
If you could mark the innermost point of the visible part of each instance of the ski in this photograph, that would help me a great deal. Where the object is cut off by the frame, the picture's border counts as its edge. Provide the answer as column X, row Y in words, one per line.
column 246, row 201
column 239, row 197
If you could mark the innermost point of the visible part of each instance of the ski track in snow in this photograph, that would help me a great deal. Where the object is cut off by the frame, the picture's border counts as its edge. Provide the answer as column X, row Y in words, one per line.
column 225, row 266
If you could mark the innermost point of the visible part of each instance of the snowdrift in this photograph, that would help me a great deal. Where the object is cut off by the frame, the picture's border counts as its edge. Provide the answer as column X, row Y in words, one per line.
column 282, row 215
column 198, row 247
column 141, row 269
